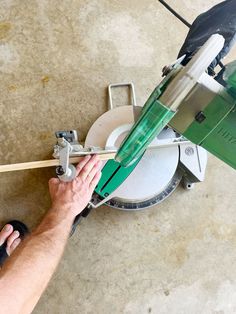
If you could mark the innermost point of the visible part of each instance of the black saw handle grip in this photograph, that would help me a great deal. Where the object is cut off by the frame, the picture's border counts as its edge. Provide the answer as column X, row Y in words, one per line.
column 220, row 19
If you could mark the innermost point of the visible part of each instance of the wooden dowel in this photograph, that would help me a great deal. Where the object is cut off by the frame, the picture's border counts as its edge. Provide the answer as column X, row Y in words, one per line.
column 47, row 163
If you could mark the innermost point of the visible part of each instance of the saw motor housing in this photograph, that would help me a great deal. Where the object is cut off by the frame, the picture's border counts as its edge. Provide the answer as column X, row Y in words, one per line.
column 192, row 103
column 207, row 117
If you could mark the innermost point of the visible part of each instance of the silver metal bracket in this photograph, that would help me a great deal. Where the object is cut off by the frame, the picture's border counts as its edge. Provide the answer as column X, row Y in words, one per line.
column 193, row 162
column 68, row 146
column 71, row 136
column 65, row 171
column 136, row 109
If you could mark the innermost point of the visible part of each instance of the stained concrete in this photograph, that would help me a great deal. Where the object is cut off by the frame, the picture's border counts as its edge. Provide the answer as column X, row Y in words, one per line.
column 56, row 60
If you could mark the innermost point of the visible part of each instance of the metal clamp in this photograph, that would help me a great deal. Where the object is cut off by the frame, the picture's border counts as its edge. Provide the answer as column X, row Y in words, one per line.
column 68, row 146
column 65, row 171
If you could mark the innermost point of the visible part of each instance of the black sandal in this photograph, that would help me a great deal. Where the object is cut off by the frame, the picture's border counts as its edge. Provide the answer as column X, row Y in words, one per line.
column 17, row 226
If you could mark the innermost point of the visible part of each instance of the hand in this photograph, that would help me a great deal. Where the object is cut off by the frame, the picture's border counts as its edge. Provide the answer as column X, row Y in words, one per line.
column 72, row 197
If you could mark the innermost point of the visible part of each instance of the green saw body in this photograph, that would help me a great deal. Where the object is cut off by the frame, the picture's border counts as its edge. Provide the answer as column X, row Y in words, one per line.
column 217, row 133
column 190, row 102
column 210, row 124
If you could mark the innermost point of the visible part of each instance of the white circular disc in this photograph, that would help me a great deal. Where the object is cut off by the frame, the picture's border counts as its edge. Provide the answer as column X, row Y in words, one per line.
column 155, row 170
column 106, row 123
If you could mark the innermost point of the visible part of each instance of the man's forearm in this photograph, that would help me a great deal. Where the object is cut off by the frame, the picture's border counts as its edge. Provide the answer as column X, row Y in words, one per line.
column 25, row 276
column 27, row 273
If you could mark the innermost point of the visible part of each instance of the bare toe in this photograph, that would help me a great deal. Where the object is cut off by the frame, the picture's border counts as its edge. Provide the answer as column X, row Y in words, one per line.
column 13, row 246
column 11, row 239
column 5, row 233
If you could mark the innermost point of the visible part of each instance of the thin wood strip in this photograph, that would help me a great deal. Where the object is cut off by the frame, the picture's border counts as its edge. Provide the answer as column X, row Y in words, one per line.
column 47, row 163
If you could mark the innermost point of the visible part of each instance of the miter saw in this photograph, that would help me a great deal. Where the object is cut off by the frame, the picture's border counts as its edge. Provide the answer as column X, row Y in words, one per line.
column 153, row 151
column 165, row 141
column 148, row 181
column 150, row 149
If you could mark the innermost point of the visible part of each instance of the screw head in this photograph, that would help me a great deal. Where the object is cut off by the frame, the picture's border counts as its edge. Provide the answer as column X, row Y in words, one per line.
column 59, row 171
column 200, row 117
column 189, row 151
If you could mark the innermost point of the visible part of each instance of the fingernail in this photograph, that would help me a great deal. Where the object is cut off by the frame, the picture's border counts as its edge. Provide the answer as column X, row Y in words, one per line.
column 7, row 228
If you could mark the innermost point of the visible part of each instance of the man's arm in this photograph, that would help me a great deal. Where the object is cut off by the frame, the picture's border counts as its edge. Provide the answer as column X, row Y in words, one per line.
column 26, row 274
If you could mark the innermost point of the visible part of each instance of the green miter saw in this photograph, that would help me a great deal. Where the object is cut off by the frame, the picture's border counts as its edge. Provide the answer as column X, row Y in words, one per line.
column 187, row 112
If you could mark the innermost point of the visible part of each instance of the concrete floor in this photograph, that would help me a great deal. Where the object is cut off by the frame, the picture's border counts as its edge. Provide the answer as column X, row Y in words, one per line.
column 56, row 60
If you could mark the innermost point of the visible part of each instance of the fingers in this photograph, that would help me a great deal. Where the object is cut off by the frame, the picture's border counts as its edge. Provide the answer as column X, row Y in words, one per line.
column 82, row 164
column 95, row 181
column 96, row 168
column 85, row 172
column 5, row 233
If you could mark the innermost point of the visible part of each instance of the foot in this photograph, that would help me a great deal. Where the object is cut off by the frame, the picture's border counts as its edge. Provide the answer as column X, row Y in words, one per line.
column 10, row 237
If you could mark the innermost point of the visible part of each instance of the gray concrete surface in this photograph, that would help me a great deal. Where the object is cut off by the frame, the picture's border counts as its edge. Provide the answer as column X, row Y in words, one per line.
column 56, row 60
